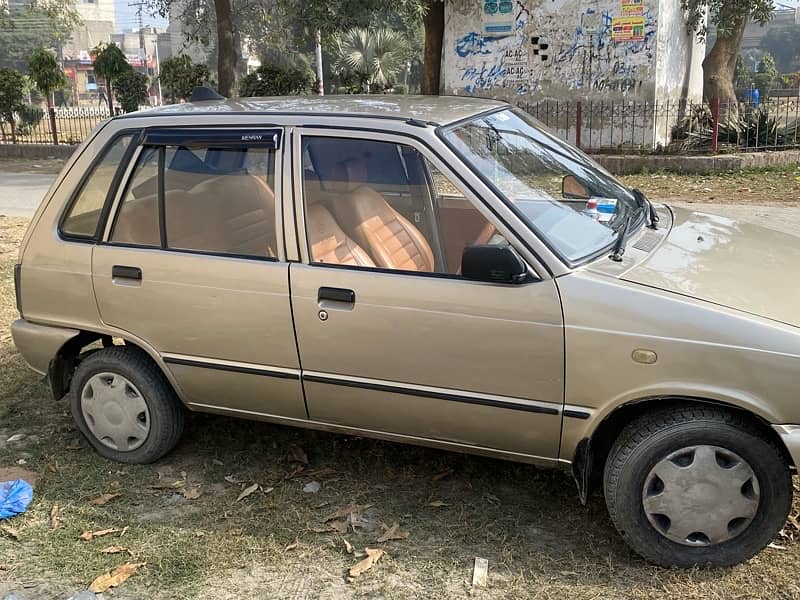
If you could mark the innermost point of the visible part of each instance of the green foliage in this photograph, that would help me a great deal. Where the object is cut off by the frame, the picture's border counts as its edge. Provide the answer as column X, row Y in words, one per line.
column 271, row 80
column 34, row 24
column 784, row 44
column 29, row 118
column 725, row 15
column 179, row 76
column 12, row 84
column 45, row 72
column 109, row 62
column 131, row 90
column 374, row 57
column 766, row 73
column 742, row 76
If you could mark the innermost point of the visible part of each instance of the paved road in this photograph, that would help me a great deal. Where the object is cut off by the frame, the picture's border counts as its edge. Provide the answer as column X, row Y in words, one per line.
column 20, row 193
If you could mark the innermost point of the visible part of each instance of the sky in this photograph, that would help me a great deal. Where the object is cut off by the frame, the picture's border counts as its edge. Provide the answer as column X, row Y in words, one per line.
column 126, row 17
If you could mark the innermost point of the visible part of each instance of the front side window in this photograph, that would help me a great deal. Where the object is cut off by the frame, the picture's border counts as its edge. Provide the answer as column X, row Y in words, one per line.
column 84, row 215
column 212, row 200
column 384, row 205
column 547, row 181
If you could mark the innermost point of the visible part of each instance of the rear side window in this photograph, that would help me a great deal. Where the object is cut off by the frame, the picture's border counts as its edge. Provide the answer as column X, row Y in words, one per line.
column 211, row 200
column 83, row 217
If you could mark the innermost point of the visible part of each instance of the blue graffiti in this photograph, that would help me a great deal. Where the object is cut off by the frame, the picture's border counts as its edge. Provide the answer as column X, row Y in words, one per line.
column 483, row 78
column 471, row 44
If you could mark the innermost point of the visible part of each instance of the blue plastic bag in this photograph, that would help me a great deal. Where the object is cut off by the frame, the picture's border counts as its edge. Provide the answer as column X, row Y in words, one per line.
column 14, row 498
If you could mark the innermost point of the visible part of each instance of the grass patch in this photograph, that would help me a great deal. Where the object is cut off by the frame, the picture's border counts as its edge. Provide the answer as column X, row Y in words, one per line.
column 540, row 542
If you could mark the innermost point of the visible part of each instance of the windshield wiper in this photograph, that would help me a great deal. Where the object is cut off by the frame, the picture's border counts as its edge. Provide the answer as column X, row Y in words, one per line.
column 644, row 203
column 622, row 238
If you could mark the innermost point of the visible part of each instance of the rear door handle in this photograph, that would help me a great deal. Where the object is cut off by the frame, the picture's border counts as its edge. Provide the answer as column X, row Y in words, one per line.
column 123, row 272
column 336, row 295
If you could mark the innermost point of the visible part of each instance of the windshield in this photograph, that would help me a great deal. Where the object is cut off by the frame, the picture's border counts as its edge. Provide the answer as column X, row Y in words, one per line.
column 569, row 200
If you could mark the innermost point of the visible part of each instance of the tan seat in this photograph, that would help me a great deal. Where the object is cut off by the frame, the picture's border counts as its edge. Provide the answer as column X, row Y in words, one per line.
column 329, row 244
column 390, row 238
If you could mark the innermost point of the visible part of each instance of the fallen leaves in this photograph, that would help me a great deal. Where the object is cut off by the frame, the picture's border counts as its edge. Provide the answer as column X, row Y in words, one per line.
column 346, row 511
column 438, row 504
column 373, row 556
column 297, row 455
column 104, row 499
column 442, row 475
column 114, row 578
column 348, row 547
column 116, row 549
column 9, row 531
column 293, row 546
column 17, row 437
column 55, row 517
column 247, row 491
column 90, row 535
column 393, row 533
column 191, row 493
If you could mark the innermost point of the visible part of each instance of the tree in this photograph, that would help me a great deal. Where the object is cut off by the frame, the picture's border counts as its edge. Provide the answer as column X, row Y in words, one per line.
column 271, row 80
column 32, row 24
column 730, row 18
column 12, row 84
column 432, row 55
column 784, row 44
column 131, row 89
column 47, row 76
column 109, row 64
column 375, row 57
column 179, row 75
column 766, row 73
column 742, row 76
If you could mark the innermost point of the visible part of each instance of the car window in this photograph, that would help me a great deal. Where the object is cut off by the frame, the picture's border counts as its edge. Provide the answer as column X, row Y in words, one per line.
column 381, row 204
column 217, row 200
column 83, row 216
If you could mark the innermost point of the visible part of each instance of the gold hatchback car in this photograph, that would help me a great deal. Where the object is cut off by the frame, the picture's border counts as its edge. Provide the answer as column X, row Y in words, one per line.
column 437, row 271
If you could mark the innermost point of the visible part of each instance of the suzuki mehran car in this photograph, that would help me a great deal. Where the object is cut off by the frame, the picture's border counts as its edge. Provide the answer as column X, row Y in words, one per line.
column 436, row 271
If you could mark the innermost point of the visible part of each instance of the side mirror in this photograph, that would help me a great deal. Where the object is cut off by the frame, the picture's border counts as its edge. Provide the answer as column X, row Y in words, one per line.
column 572, row 189
column 493, row 264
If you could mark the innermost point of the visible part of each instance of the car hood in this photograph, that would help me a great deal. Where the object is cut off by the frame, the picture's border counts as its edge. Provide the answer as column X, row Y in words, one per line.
column 727, row 262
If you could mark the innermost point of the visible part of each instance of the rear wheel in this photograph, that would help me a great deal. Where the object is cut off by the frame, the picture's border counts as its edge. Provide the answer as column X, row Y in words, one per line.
column 124, row 406
column 696, row 486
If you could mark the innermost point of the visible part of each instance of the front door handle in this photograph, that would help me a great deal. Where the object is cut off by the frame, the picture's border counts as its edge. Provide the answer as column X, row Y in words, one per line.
column 125, row 272
column 336, row 295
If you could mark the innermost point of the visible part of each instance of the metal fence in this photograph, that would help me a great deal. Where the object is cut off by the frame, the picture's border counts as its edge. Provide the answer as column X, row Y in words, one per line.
column 63, row 125
column 676, row 126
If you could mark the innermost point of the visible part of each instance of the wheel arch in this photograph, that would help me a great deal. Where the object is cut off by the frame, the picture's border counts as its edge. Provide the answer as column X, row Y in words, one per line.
column 591, row 451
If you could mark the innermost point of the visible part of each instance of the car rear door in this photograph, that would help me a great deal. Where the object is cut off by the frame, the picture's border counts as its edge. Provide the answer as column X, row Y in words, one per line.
column 192, row 263
column 410, row 347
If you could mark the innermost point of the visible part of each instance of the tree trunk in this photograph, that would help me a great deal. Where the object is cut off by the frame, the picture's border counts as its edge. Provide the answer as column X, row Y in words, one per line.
column 51, row 113
column 109, row 99
column 432, row 58
column 226, row 49
column 719, row 70
column 320, row 72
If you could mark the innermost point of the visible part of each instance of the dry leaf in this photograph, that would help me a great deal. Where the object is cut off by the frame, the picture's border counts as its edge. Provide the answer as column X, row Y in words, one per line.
column 338, row 526
column 9, row 531
column 116, row 577
column 348, row 546
column 393, row 533
column 293, row 546
column 247, row 491
column 438, row 504
column 191, row 493
column 442, row 475
column 104, row 499
column 794, row 522
column 234, row 480
column 480, row 572
column 55, row 517
column 347, row 510
column 90, row 535
column 114, row 549
column 298, row 455
column 373, row 556
column 776, row 547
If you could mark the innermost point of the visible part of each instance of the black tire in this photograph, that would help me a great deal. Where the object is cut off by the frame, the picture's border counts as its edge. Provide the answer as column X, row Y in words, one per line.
column 166, row 413
column 652, row 438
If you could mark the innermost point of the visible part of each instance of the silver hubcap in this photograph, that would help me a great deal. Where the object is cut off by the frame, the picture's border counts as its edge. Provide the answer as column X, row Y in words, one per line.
column 115, row 412
column 701, row 496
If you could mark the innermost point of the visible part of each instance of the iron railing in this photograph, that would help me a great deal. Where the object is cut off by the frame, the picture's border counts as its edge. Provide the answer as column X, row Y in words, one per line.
column 675, row 126
column 62, row 125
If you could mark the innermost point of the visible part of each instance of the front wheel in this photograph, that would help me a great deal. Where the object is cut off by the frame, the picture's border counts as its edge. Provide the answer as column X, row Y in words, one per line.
column 696, row 487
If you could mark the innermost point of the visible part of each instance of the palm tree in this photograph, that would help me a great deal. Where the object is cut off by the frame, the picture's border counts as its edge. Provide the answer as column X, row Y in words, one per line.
column 109, row 64
column 375, row 57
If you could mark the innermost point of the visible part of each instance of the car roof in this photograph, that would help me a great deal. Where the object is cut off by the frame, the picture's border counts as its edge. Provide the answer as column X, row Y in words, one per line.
column 436, row 110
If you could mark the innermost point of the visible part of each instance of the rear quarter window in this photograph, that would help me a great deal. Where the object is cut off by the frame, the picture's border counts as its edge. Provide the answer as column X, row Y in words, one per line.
column 83, row 217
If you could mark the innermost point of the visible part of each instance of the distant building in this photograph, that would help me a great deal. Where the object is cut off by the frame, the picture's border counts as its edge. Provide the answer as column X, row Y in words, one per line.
column 97, row 25
column 755, row 32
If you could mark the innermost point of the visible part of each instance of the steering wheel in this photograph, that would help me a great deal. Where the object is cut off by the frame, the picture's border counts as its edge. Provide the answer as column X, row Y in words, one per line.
column 487, row 233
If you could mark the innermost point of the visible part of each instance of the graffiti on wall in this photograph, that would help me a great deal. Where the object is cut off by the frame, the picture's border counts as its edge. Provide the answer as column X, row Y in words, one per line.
column 559, row 43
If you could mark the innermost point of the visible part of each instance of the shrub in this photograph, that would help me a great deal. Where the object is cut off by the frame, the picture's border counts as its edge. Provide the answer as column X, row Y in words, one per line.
column 131, row 88
column 271, row 80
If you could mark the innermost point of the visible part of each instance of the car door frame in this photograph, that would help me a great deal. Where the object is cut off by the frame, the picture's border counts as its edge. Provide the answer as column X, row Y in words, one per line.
column 500, row 216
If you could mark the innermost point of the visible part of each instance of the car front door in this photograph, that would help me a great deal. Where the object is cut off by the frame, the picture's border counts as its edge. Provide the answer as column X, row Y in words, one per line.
column 391, row 337
column 193, row 265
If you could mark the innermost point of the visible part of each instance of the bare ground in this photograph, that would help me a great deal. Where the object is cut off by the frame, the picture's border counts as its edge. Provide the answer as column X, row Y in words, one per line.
column 540, row 542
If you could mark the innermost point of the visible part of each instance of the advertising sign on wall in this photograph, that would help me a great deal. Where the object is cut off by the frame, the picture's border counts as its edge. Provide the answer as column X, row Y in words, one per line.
column 627, row 29
column 498, row 17
column 632, row 8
